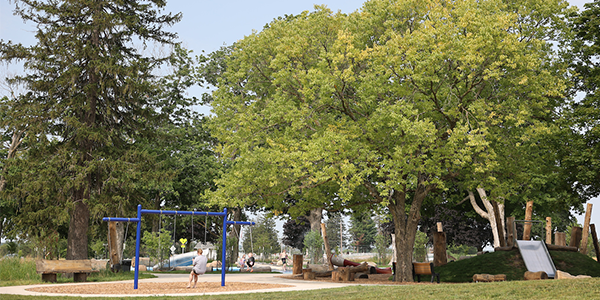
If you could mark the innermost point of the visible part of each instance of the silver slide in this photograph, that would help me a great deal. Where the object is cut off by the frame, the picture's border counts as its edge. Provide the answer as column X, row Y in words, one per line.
column 536, row 257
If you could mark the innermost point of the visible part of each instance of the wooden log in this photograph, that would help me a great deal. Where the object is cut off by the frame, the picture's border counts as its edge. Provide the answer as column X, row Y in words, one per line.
column 560, row 239
column 488, row 277
column 548, row 230
column 309, row 275
column 499, row 227
column 335, row 275
column 535, row 275
column 507, row 248
column 346, row 275
column 361, row 276
column 317, row 267
column 63, row 266
column 528, row 215
column 80, row 277
column 257, row 269
column 440, row 257
column 326, row 243
column 440, row 228
column 561, row 248
column 51, row 277
column 113, row 247
column 595, row 241
column 586, row 229
column 297, row 268
column 511, row 232
column 306, row 270
column 575, row 237
column 323, row 274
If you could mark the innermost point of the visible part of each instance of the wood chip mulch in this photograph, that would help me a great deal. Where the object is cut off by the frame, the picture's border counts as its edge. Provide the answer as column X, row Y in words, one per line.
column 159, row 288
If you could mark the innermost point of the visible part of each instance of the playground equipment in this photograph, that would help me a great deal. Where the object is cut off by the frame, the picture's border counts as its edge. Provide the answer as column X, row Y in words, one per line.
column 536, row 257
column 340, row 262
column 138, row 220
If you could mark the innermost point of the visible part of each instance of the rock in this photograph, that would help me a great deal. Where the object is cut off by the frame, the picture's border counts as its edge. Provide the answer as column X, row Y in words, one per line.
column 565, row 275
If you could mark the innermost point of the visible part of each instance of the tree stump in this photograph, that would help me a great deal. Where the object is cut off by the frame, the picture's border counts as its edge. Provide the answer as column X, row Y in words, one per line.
column 560, row 239
column 309, row 275
column 535, row 275
column 440, row 257
column 297, row 267
column 575, row 237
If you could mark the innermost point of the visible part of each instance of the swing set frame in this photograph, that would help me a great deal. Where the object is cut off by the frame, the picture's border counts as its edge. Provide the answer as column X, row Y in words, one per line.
column 138, row 220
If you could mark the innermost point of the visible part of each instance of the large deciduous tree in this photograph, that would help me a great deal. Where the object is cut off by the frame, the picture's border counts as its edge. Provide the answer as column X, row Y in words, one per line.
column 93, row 99
column 379, row 107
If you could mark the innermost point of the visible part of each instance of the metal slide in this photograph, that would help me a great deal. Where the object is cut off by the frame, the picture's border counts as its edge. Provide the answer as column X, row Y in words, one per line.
column 536, row 257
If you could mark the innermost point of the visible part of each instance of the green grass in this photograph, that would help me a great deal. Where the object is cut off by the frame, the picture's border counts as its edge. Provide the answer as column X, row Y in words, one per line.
column 540, row 289
column 16, row 271
column 511, row 264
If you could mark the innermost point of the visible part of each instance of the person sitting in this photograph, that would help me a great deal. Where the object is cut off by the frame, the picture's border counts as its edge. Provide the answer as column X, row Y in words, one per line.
column 250, row 262
column 242, row 262
column 199, row 268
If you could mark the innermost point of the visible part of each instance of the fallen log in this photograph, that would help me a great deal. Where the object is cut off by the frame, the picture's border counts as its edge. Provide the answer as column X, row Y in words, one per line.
column 535, row 275
column 565, row 275
column 347, row 273
column 488, row 277
column 561, row 248
column 362, row 275
column 323, row 274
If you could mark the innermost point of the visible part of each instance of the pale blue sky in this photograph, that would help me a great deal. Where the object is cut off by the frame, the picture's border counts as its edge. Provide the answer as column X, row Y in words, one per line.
column 208, row 25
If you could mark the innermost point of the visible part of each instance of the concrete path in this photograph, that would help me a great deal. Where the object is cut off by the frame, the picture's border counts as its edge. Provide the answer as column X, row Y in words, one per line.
column 297, row 285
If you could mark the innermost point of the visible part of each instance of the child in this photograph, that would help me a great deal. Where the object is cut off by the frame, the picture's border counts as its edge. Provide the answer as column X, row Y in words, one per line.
column 198, row 269
column 250, row 262
column 284, row 257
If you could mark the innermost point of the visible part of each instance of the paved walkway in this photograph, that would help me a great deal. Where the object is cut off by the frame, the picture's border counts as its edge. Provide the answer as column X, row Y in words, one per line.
column 297, row 285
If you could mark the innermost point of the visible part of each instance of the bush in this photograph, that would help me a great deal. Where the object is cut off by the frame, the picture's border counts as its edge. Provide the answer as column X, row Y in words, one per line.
column 14, row 268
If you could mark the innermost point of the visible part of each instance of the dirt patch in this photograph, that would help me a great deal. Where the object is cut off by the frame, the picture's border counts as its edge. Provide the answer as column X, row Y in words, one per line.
column 155, row 288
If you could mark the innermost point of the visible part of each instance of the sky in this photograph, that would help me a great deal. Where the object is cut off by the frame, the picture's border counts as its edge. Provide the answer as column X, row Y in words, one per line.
column 208, row 25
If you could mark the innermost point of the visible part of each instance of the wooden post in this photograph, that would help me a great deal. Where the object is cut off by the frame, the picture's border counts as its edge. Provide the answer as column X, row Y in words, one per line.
column 440, row 228
column 595, row 241
column 298, row 261
column 548, row 230
column 327, row 248
column 440, row 257
column 113, row 247
column 528, row 215
column 586, row 229
column 575, row 237
column 511, row 232
column 560, row 239
column 499, row 227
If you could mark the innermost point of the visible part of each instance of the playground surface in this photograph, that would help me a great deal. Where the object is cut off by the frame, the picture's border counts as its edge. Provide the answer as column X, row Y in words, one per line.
column 175, row 285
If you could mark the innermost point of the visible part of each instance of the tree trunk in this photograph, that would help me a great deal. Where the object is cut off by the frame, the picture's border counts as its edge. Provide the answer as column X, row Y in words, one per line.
column 77, row 241
column 121, row 239
column 405, row 227
column 489, row 213
column 314, row 217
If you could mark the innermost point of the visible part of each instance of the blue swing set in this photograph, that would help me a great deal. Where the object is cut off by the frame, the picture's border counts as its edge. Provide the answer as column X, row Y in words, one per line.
column 138, row 220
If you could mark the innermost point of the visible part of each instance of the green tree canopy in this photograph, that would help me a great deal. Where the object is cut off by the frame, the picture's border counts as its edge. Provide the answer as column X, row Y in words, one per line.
column 379, row 107
column 92, row 101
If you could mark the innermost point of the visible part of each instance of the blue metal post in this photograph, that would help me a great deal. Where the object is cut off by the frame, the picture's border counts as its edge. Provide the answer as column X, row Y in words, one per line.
column 224, row 252
column 137, row 246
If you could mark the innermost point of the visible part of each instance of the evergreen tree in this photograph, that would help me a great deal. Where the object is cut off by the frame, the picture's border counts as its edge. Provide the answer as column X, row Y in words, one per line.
column 335, row 227
column 93, row 101
column 294, row 231
column 262, row 238
column 362, row 229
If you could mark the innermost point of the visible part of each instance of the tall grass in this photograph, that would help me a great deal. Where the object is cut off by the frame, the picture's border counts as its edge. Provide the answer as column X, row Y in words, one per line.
column 17, row 269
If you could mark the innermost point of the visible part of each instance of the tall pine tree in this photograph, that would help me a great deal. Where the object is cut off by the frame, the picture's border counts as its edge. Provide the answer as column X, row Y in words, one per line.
column 92, row 100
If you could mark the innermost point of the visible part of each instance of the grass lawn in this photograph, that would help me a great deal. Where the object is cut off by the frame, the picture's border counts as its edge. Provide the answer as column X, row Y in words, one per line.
column 542, row 289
